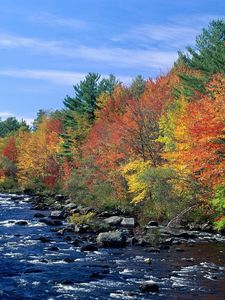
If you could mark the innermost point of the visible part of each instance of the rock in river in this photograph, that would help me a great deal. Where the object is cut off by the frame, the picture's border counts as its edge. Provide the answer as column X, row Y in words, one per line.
column 89, row 247
column 22, row 223
column 51, row 222
column 56, row 214
column 111, row 239
column 149, row 287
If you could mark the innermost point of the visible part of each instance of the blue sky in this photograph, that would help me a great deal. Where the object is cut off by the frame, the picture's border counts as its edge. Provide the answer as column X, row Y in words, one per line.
column 46, row 46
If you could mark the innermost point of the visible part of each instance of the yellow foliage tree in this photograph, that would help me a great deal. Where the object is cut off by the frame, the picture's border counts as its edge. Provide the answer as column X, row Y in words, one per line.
column 132, row 173
column 37, row 153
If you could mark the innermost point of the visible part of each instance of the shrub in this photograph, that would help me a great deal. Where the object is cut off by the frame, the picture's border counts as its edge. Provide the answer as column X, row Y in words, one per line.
column 78, row 219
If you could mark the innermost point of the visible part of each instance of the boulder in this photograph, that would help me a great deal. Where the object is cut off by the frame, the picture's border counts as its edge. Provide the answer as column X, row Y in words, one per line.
column 56, row 214
column 21, row 223
column 69, row 260
column 128, row 222
column 149, row 287
column 53, row 248
column 113, row 221
column 50, row 222
column 39, row 215
column 89, row 247
column 111, row 239
column 44, row 239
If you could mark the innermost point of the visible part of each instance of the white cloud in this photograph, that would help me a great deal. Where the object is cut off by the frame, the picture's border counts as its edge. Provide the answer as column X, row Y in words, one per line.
column 58, row 21
column 5, row 115
column 177, row 32
column 147, row 58
column 53, row 76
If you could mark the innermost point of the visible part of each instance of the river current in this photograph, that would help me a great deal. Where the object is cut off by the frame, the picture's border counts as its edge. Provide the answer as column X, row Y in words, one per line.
column 56, row 269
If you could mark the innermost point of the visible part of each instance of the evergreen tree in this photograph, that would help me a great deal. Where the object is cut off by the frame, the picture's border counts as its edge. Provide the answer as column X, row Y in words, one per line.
column 137, row 86
column 80, row 110
column 207, row 57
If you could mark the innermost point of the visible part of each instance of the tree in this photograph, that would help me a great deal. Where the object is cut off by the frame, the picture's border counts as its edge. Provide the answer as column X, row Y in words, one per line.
column 80, row 111
column 11, row 125
column 137, row 86
column 207, row 57
column 38, row 152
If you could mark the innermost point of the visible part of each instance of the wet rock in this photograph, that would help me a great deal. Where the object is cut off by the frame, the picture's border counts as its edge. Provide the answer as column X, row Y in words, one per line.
column 56, row 214
column 149, row 287
column 128, row 222
column 45, row 261
column 148, row 261
column 89, row 247
column 21, row 223
column 113, row 221
column 44, row 239
column 53, row 248
column 50, row 222
column 68, row 260
column 111, row 239
column 39, row 215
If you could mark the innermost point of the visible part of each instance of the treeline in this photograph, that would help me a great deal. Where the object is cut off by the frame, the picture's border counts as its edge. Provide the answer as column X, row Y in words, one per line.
column 154, row 147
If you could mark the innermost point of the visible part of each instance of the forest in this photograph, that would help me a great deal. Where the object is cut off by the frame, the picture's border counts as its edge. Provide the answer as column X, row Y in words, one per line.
column 152, row 148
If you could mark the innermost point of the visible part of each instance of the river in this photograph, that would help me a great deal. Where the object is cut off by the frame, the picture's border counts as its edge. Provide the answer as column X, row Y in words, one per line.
column 56, row 269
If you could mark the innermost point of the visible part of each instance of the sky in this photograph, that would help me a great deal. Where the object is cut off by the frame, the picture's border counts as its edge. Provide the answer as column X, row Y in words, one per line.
column 47, row 46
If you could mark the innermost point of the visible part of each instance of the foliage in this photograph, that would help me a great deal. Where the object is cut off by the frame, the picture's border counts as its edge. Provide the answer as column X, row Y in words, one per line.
column 11, row 125
column 152, row 148
column 81, row 219
column 208, row 56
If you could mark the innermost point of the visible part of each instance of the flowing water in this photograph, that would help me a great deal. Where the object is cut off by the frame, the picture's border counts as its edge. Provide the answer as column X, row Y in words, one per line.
column 31, row 269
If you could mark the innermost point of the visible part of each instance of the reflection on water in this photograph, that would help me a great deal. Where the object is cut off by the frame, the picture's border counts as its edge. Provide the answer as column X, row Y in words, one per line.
column 31, row 269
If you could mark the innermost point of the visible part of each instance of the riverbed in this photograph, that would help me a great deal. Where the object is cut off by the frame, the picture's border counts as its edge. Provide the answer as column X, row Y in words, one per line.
column 36, row 263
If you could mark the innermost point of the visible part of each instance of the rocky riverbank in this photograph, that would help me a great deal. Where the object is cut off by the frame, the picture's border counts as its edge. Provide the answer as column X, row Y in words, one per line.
column 107, row 256
column 114, row 229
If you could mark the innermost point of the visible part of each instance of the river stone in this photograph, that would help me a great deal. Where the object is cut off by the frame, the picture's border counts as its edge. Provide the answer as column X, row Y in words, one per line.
column 128, row 222
column 53, row 248
column 68, row 260
column 56, row 214
column 149, row 287
column 114, row 221
column 111, row 239
column 88, row 247
column 50, row 222
column 22, row 223
column 44, row 239
column 39, row 215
